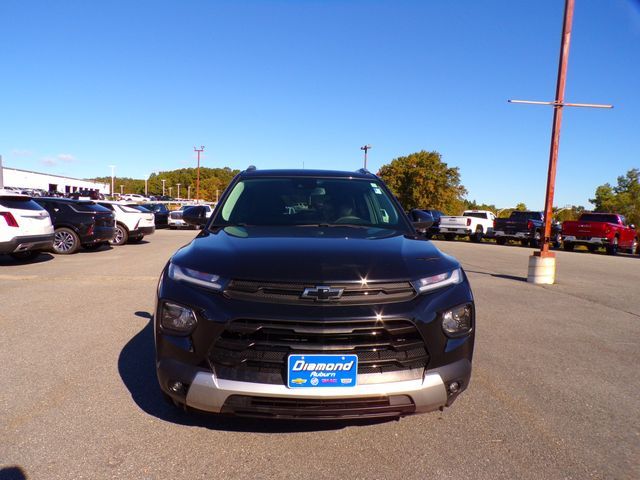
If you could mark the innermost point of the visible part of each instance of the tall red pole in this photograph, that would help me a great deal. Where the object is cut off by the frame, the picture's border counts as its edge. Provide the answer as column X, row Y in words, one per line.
column 198, row 173
column 557, row 122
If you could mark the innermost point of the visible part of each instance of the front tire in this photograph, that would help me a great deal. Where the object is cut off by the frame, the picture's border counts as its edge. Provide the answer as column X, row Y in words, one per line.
column 121, row 236
column 65, row 241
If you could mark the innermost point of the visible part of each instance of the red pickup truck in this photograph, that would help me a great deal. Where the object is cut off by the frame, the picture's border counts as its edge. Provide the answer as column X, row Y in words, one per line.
column 594, row 230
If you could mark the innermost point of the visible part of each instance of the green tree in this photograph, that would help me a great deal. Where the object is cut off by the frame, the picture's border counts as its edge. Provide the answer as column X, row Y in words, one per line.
column 423, row 180
column 624, row 198
column 521, row 207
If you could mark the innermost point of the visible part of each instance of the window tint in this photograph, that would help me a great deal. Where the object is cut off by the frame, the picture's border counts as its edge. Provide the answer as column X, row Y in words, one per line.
column 525, row 215
column 474, row 214
column 598, row 217
column 19, row 203
column 87, row 207
column 309, row 201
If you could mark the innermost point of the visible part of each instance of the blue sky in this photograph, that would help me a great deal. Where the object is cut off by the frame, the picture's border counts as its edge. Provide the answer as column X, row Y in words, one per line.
column 280, row 83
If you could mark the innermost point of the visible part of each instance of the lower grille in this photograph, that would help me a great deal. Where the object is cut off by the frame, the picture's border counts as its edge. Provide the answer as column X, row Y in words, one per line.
column 319, row 409
column 257, row 350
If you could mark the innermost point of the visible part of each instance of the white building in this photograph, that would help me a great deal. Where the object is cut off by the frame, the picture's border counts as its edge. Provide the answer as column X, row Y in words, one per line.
column 14, row 177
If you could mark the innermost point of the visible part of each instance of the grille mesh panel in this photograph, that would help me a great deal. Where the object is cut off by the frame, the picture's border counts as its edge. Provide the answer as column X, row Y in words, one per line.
column 257, row 350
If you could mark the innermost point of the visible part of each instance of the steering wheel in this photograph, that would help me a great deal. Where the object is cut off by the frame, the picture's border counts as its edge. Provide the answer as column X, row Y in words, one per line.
column 350, row 219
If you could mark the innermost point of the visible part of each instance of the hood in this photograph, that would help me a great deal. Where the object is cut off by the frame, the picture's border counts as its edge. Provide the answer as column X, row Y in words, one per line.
column 313, row 254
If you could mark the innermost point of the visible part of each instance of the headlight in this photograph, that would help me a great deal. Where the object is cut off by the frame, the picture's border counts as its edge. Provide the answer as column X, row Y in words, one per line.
column 177, row 318
column 438, row 281
column 202, row 279
column 457, row 321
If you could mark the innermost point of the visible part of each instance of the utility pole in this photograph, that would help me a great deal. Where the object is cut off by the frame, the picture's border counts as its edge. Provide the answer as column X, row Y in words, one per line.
column 366, row 148
column 121, row 189
column 113, row 178
column 170, row 188
column 542, row 265
column 163, row 181
column 178, row 184
column 189, row 192
column 195, row 149
column 146, row 189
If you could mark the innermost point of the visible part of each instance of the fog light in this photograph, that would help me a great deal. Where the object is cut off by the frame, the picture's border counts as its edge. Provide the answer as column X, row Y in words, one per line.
column 454, row 387
column 176, row 387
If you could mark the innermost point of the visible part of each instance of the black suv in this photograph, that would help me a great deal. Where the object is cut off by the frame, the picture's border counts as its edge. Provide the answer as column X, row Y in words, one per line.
column 309, row 294
column 78, row 222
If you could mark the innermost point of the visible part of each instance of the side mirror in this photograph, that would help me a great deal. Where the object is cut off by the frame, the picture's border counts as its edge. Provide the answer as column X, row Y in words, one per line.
column 421, row 220
column 632, row 226
column 196, row 215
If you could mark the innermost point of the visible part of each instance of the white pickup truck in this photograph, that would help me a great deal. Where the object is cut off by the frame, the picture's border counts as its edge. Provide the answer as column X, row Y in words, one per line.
column 474, row 223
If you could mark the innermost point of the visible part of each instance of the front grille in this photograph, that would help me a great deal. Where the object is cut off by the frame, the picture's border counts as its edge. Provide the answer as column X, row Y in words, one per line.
column 319, row 409
column 353, row 293
column 257, row 350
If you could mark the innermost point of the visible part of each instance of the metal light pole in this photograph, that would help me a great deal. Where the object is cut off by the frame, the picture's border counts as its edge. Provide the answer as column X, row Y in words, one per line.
column 366, row 148
column 113, row 169
column 178, row 184
column 121, row 189
column 195, row 149
column 542, row 265
column 189, row 192
column 170, row 188
column 146, row 186
column 163, row 182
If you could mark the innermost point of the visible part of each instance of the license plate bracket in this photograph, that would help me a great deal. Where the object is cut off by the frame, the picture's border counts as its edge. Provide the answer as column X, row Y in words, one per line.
column 320, row 370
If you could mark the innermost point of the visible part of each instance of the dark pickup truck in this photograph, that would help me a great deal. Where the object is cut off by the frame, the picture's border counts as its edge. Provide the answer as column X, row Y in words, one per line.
column 527, row 227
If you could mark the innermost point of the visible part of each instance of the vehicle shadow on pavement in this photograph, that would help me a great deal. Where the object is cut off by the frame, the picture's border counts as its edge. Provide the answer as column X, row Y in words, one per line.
column 137, row 370
column 498, row 275
column 7, row 261
column 12, row 473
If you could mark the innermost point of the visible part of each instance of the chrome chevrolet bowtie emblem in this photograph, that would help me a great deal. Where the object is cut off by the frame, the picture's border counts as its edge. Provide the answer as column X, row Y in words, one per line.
column 322, row 293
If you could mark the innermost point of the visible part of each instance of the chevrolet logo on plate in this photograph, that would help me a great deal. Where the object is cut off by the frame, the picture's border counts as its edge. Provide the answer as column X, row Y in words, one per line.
column 322, row 293
column 298, row 381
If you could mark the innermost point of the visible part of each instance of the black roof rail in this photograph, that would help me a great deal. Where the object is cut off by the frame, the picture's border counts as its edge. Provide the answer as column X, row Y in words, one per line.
column 251, row 168
column 364, row 171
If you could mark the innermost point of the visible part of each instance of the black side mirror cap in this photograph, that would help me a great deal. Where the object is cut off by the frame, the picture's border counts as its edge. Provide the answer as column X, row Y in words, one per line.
column 421, row 220
column 196, row 215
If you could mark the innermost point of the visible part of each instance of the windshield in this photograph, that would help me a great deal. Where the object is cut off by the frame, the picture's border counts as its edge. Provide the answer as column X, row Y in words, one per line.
column 309, row 201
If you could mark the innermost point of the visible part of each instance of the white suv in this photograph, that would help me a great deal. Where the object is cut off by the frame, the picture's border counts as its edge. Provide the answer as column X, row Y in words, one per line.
column 25, row 227
column 131, row 224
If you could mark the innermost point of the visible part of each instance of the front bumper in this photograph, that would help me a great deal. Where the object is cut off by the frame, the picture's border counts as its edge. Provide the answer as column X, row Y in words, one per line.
column 203, row 391
column 27, row 243
column 186, row 371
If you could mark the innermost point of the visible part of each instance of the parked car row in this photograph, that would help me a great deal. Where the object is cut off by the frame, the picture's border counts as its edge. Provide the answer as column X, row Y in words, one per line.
column 31, row 225
column 593, row 230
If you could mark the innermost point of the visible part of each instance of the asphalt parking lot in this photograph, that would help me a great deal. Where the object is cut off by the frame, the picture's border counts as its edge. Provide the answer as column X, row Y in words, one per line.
column 555, row 391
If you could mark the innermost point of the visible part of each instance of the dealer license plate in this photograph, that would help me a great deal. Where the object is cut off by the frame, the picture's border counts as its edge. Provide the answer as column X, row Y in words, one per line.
column 304, row 371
